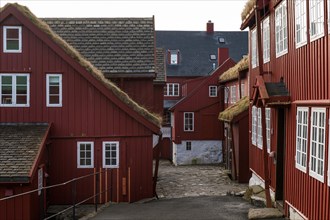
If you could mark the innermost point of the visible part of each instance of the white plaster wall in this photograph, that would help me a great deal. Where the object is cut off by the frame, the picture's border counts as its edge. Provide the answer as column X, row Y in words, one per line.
column 255, row 180
column 294, row 215
column 202, row 152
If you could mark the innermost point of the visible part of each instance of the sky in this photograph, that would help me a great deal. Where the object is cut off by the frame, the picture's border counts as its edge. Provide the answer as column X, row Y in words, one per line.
column 169, row 15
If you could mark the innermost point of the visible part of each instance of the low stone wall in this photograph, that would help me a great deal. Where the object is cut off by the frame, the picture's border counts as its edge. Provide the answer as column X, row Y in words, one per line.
column 201, row 152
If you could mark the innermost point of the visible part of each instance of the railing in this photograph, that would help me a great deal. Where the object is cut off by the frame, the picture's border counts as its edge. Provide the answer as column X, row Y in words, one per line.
column 73, row 183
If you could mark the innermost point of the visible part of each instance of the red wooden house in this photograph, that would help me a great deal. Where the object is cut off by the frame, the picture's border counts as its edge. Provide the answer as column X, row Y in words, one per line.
column 234, row 89
column 87, row 124
column 196, row 132
column 290, row 96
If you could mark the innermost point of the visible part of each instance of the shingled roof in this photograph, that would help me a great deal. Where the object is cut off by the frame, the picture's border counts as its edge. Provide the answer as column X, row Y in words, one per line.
column 113, row 45
column 196, row 47
column 19, row 147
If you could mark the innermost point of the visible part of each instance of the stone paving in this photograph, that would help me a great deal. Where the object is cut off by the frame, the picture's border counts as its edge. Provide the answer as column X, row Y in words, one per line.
column 194, row 180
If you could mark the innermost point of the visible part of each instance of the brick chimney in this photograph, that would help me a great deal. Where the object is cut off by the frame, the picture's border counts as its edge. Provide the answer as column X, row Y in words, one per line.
column 209, row 27
column 223, row 55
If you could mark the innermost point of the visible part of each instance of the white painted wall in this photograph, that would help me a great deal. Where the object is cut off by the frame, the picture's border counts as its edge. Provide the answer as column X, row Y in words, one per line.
column 202, row 152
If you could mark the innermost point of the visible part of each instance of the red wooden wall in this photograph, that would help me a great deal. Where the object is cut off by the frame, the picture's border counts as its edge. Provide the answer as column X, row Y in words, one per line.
column 87, row 114
column 306, row 73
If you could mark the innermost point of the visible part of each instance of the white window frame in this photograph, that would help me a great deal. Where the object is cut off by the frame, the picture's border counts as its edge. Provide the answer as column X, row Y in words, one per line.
column 268, row 128
column 266, row 39
column 116, row 143
column 79, row 143
column 316, row 156
column 14, row 89
column 300, row 23
column 254, row 51
column 213, row 91
column 233, row 94
column 259, row 128
column 170, row 89
column 254, row 126
column 301, row 138
column 47, row 91
column 316, row 16
column 226, row 96
column 5, row 50
column 281, row 29
column 187, row 117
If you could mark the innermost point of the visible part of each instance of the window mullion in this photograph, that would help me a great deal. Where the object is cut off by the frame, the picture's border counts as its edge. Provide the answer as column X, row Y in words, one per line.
column 13, row 89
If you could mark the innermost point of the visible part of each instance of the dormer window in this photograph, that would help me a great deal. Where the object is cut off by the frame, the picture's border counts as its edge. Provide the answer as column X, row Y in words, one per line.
column 174, row 57
column 12, row 39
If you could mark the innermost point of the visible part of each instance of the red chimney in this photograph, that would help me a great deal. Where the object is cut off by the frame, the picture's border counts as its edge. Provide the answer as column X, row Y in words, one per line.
column 223, row 55
column 209, row 27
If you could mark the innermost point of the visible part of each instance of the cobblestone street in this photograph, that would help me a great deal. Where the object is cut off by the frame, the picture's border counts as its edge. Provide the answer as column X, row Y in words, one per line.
column 194, row 180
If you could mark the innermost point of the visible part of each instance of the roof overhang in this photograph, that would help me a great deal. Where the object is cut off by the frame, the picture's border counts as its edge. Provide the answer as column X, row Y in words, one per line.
column 250, row 18
column 236, row 111
column 270, row 94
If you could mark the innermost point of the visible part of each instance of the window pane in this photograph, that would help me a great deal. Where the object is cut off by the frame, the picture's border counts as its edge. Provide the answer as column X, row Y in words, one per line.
column 54, row 80
column 54, row 99
column 12, row 33
column 22, row 99
column 12, row 45
column 88, row 162
column 54, row 90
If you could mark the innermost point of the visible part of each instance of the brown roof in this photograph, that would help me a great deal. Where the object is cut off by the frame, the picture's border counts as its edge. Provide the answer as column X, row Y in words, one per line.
column 19, row 147
column 113, row 45
column 96, row 73
column 160, row 66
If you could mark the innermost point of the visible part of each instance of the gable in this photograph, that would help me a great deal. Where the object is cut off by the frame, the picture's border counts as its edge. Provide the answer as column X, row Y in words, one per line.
column 81, row 65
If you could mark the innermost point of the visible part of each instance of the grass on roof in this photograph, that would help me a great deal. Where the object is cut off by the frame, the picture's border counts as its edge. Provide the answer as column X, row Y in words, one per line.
column 72, row 52
column 233, row 72
column 232, row 111
column 248, row 9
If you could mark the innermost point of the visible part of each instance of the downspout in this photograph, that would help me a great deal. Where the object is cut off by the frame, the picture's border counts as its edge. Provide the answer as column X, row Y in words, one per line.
column 263, row 111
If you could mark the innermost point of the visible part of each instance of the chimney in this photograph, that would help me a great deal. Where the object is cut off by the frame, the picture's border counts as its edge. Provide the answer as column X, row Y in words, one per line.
column 209, row 27
column 223, row 55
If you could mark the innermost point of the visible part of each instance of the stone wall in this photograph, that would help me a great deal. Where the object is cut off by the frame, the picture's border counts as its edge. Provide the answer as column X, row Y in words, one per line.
column 202, row 152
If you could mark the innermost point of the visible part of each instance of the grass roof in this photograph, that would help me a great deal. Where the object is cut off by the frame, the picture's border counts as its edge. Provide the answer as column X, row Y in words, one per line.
column 248, row 9
column 72, row 52
column 232, row 111
column 233, row 72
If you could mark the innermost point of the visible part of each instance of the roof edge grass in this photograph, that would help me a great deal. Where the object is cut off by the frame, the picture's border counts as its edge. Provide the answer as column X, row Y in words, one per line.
column 96, row 73
column 234, row 110
column 233, row 72
column 248, row 9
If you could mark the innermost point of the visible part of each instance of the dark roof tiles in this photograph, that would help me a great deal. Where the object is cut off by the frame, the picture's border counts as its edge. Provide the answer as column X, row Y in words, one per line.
column 113, row 45
column 19, row 146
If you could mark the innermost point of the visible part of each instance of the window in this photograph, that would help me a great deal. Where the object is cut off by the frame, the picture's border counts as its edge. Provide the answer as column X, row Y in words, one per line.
column 188, row 145
column 317, row 144
column 232, row 94
column 54, row 90
column 110, row 154
column 316, row 19
column 12, row 39
column 15, row 90
column 266, row 40
column 281, row 32
column 254, row 125
column 301, row 23
column 85, row 154
column 254, row 56
column 213, row 91
column 188, row 121
column 226, row 89
column 171, row 89
column 174, row 57
column 268, row 128
column 242, row 90
column 301, row 138
column 259, row 128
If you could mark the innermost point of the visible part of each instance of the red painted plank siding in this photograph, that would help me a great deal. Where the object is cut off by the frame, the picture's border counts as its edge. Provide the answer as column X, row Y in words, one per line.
column 306, row 73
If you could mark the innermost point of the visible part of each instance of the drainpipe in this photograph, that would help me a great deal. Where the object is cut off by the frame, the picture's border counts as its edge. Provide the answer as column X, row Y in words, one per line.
column 263, row 113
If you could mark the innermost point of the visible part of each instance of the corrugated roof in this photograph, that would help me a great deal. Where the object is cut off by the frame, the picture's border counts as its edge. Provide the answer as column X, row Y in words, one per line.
column 113, row 45
column 19, row 147
column 196, row 47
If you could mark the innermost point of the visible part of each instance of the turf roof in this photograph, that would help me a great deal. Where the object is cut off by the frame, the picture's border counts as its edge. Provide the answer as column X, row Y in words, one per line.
column 72, row 52
column 232, row 111
column 248, row 9
column 233, row 72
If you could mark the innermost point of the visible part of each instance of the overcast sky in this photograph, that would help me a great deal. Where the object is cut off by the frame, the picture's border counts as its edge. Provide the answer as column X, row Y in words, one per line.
column 169, row 15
